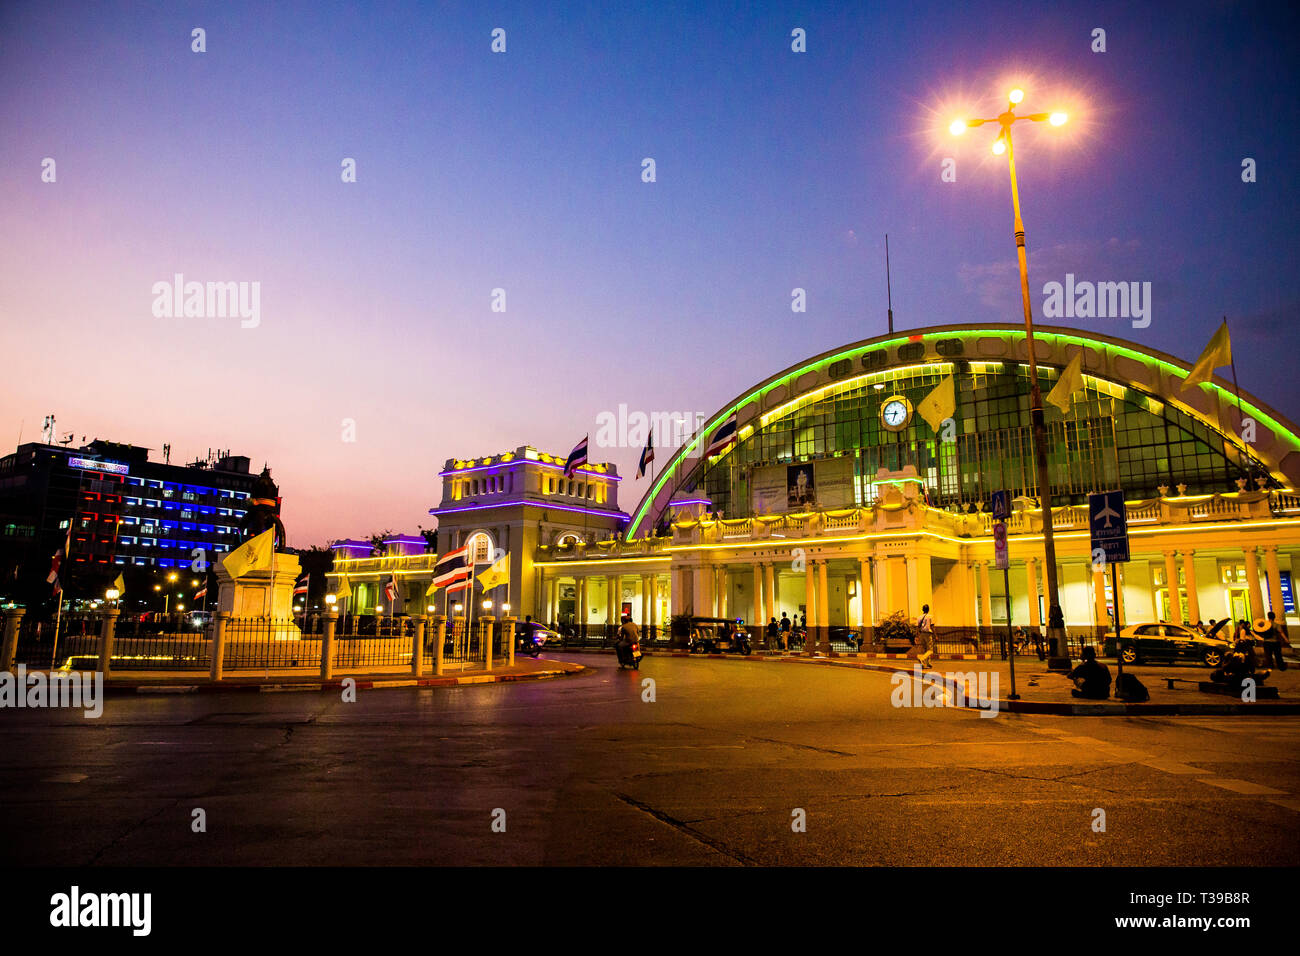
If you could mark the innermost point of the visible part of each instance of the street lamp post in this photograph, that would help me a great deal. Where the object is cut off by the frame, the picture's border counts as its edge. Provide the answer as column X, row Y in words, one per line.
column 1055, row 621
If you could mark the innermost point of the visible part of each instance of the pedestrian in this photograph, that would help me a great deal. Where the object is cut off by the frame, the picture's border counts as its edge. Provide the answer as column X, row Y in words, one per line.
column 1091, row 678
column 925, row 624
column 1269, row 636
column 785, row 632
column 773, row 633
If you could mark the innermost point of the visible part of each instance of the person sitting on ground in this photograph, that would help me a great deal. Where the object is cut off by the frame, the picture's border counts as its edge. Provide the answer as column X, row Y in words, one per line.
column 1020, row 639
column 1238, row 666
column 1091, row 678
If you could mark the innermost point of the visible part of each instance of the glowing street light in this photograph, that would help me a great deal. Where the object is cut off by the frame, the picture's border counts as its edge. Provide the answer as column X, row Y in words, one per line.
column 1055, row 621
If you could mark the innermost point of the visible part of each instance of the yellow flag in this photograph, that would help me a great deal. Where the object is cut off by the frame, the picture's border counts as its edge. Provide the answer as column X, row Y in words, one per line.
column 940, row 404
column 1071, row 381
column 344, row 590
column 497, row 574
column 253, row 555
column 120, row 585
column 431, row 588
column 1217, row 353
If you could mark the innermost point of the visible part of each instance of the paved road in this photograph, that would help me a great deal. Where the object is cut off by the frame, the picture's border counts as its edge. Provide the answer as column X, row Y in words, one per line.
column 588, row 773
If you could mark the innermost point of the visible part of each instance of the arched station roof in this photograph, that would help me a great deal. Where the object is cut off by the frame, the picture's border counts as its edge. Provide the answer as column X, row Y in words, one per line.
column 1114, row 360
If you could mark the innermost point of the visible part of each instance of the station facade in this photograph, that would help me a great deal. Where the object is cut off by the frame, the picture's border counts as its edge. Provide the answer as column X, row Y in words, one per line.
column 839, row 501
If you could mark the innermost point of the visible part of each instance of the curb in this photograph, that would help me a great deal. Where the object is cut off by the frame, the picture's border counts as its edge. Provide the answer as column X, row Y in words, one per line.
column 1043, row 707
column 562, row 669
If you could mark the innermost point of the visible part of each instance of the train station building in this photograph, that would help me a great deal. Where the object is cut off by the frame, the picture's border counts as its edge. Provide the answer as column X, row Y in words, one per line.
column 838, row 500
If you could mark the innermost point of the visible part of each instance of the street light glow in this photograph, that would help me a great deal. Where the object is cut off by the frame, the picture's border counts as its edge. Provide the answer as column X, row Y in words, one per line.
column 999, row 147
column 1057, row 119
column 1017, row 95
column 958, row 127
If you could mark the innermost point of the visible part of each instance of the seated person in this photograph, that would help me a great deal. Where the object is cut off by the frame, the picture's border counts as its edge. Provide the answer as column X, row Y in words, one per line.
column 1238, row 666
column 1091, row 678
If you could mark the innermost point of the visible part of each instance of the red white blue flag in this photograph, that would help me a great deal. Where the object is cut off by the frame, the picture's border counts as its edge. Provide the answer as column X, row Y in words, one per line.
column 390, row 589
column 452, row 570
column 723, row 438
column 647, row 455
column 299, row 588
column 577, row 457
column 57, row 562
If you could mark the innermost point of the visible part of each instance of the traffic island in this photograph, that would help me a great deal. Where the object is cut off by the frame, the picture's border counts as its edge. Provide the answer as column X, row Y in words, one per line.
column 158, row 682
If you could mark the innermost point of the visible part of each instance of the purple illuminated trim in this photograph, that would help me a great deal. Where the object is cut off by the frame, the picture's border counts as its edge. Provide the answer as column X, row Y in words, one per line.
column 535, row 504
column 540, row 464
column 689, row 501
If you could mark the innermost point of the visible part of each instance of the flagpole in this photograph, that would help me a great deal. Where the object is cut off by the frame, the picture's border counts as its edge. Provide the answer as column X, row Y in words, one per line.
column 58, row 614
column 1241, row 415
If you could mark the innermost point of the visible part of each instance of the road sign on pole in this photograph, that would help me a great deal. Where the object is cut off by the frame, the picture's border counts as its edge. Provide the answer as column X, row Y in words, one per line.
column 1002, row 560
column 1001, row 505
column 1108, row 524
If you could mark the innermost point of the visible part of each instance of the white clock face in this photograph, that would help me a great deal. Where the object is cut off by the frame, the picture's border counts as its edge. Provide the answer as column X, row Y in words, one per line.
column 894, row 413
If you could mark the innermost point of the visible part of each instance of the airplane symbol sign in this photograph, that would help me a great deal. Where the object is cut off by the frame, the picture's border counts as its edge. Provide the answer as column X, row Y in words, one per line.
column 1108, row 524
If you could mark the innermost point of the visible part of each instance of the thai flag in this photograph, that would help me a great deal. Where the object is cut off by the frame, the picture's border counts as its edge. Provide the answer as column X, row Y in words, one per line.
column 576, row 457
column 203, row 592
column 57, row 561
column 647, row 455
column 723, row 438
column 301, row 586
column 451, row 569
column 390, row 589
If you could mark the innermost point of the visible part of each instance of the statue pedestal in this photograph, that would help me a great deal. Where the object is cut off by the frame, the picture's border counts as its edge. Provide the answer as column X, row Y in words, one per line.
column 263, row 595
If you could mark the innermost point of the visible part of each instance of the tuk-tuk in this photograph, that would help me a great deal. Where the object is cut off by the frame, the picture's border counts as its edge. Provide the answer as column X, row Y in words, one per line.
column 719, row 635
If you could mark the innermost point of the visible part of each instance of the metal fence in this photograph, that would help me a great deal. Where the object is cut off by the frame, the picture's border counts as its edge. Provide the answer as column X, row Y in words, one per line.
column 77, row 645
column 949, row 641
column 153, row 645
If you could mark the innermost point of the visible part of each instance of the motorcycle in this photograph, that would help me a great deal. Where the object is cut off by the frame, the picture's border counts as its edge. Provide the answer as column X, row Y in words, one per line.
column 629, row 654
column 530, row 643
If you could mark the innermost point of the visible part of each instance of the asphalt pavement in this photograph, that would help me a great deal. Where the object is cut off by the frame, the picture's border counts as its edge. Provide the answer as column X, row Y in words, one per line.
column 719, row 769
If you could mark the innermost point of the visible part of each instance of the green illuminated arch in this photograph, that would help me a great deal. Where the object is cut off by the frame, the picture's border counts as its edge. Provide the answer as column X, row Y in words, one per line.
column 1122, row 363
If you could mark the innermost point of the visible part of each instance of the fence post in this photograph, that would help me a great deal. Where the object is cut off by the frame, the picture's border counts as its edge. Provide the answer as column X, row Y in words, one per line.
column 417, row 648
column 219, row 645
column 107, row 631
column 13, row 620
column 327, row 645
column 508, row 635
column 485, row 638
column 439, row 638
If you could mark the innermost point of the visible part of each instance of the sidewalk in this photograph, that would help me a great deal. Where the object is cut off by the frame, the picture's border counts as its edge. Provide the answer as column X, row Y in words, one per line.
column 299, row 679
column 1048, row 692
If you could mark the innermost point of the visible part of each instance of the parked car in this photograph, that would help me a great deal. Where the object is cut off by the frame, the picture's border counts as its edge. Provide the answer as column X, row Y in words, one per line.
column 1165, row 642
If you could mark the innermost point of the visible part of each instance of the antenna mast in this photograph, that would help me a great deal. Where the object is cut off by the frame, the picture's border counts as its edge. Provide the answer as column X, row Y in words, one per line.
column 888, row 288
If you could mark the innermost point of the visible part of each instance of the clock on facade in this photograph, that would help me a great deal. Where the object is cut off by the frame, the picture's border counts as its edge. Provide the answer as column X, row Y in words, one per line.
column 895, row 413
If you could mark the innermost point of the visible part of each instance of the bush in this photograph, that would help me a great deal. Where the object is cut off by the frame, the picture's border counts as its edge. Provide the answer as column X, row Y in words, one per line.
column 896, row 629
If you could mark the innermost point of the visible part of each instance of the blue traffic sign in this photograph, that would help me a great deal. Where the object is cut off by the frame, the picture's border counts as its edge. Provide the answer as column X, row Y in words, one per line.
column 1001, row 505
column 1108, row 525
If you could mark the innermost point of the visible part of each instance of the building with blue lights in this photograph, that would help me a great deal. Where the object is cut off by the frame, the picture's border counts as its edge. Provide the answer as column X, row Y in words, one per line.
column 125, row 511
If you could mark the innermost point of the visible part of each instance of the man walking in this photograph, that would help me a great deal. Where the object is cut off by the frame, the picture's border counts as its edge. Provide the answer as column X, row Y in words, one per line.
column 925, row 624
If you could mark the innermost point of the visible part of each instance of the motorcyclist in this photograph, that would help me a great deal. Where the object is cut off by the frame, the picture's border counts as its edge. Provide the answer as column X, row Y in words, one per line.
column 628, row 636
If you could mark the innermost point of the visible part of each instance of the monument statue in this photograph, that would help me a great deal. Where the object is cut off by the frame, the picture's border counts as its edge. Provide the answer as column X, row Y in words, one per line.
column 263, row 511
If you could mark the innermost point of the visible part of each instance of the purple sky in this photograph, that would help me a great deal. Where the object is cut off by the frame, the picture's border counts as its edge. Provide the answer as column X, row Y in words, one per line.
column 522, row 171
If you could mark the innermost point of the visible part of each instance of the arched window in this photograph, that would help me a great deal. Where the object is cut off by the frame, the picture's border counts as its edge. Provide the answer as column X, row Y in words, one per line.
column 479, row 549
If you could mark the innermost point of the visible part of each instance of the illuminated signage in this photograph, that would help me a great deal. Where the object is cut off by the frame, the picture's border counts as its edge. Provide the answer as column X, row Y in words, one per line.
column 89, row 464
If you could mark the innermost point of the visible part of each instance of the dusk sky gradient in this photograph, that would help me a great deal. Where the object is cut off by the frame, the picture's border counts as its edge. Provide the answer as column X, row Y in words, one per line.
column 522, row 171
